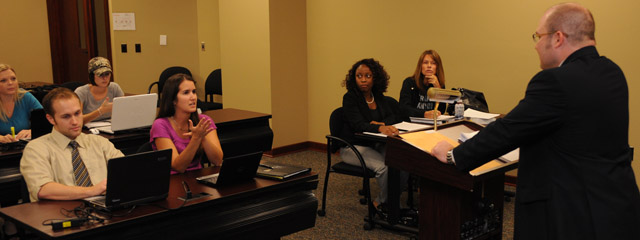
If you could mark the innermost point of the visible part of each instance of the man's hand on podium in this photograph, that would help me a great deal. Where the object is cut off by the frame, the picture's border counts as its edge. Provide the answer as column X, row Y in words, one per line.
column 440, row 150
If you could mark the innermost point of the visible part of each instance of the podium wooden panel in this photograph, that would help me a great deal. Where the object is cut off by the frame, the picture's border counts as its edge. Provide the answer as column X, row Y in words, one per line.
column 453, row 204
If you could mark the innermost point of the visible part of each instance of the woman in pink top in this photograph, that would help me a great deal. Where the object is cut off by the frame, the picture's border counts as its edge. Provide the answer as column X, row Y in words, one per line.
column 179, row 127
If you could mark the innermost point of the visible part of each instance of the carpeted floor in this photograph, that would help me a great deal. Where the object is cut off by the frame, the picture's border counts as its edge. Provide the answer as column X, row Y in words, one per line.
column 345, row 215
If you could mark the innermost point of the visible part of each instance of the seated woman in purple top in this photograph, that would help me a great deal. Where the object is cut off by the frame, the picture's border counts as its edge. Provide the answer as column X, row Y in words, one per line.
column 180, row 128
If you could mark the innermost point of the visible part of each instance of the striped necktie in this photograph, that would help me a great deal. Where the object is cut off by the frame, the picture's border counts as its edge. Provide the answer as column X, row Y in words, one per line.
column 79, row 170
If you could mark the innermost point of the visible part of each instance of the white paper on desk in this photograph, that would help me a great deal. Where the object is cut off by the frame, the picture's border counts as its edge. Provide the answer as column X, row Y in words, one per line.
column 467, row 136
column 376, row 134
column 407, row 126
column 509, row 157
column 471, row 113
column 97, row 124
column 482, row 121
column 381, row 134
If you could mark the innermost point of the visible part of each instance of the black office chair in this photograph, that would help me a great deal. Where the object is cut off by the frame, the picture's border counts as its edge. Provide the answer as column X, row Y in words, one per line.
column 334, row 143
column 145, row 147
column 166, row 74
column 212, row 86
column 71, row 85
column 12, row 187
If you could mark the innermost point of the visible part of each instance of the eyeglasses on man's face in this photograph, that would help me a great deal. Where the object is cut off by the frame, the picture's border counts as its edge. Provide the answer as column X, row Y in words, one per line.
column 537, row 36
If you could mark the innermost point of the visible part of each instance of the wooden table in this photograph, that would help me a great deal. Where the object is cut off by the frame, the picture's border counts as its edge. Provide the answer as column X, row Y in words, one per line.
column 264, row 209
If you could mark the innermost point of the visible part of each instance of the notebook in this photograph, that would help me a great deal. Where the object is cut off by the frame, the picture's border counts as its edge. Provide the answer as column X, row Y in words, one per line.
column 135, row 179
column 39, row 123
column 280, row 171
column 234, row 170
column 129, row 112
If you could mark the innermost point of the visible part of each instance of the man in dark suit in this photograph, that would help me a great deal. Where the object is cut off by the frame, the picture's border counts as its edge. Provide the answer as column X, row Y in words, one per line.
column 575, row 179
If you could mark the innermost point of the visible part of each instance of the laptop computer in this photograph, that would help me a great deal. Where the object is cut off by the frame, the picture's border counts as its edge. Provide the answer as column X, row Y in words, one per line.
column 234, row 170
column 279, row 171
column 135, row 179
column 39, row 123
column 129, row 112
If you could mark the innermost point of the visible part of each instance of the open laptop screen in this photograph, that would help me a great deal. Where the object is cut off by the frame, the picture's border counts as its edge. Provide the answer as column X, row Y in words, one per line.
column 138, row 178
column 129, row 112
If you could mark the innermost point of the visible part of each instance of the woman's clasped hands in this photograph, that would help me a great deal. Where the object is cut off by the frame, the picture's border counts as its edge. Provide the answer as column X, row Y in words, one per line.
column 200, row 130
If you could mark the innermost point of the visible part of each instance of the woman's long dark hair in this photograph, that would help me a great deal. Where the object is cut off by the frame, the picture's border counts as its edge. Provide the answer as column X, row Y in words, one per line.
column 169, row 94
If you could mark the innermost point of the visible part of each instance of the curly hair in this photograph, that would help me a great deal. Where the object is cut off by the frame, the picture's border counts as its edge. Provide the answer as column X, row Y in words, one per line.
column 380, row 76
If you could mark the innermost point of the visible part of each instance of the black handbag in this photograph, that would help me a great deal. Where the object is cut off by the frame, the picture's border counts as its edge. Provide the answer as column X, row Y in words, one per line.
column 474, row 100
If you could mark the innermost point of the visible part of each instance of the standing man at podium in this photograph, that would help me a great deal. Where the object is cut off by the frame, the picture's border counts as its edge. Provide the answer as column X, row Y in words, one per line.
column 575, row 179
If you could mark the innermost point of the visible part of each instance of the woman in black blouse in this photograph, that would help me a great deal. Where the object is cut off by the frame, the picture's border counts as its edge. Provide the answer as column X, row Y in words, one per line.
column 366, row 109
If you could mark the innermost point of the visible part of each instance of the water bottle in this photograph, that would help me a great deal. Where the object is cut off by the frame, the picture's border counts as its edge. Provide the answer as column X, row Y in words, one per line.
column 459, row 110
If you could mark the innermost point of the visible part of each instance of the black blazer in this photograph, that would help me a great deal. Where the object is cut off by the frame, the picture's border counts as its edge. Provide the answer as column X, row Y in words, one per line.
column 575, row 179
column 358, row 116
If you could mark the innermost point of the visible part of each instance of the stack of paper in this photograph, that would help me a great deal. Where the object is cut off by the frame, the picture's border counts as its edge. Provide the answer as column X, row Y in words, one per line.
column 440, row 119
column 471, row 113
column 97, row 124
column 410, row 127
column 467, row 136
column 478, row 117
column 403, row 127
column 509, row 157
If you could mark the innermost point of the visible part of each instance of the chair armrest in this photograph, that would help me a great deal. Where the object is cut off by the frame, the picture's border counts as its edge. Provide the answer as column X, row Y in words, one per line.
column 362, row 163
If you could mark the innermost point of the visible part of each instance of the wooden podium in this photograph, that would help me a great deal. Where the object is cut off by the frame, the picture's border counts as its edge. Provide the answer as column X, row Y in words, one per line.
column 453, row 204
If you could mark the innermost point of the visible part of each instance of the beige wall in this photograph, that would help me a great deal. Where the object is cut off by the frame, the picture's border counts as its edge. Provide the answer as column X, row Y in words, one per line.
column 288, row 36
column 136, row 71
column 209, row 33
column 25, row 39
column 245, row 54
column 485, row 46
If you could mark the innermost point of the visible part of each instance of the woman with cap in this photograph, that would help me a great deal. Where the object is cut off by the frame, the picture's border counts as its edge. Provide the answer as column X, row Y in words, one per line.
column 97, row 96
column 16, row 106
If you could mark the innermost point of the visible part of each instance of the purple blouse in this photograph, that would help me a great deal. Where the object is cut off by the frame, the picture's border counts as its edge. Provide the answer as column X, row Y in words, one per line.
column 161, row 128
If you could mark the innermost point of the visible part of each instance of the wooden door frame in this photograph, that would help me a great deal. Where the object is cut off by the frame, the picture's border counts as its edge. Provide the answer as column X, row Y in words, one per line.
column 55, row 34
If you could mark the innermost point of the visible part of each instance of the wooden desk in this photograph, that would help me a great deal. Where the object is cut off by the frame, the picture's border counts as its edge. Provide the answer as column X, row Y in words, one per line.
column 129, row 141
column 263, row 209
column 242, row 131
column 11, row 190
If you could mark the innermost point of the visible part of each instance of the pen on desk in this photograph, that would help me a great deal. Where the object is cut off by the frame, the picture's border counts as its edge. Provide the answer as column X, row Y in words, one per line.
column 13, row 132
column 265, row 166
